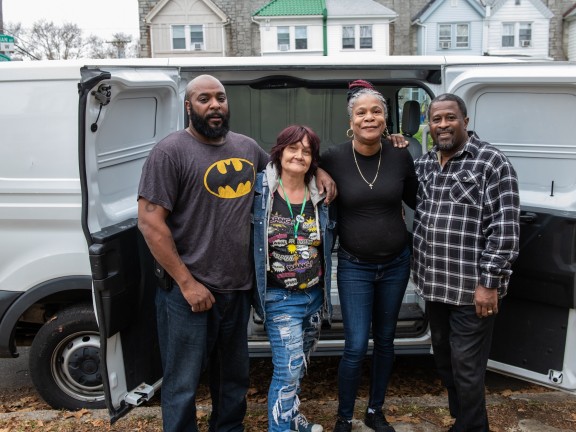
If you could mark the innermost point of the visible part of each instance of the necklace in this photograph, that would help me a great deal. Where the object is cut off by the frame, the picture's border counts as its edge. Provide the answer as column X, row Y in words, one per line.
column 299, row 218
column 371, row 184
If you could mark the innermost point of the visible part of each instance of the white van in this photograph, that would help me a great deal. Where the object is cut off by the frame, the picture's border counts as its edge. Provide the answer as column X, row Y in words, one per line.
column 110, row 114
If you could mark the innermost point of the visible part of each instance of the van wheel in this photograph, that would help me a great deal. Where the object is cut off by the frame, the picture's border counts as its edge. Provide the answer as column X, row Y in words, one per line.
column 65, row 360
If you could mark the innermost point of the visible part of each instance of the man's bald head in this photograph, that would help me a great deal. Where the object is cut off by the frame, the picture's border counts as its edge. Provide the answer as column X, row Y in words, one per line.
column 202, row 82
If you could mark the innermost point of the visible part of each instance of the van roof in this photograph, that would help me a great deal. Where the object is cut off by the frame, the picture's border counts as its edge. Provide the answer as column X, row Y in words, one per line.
column 69, row 69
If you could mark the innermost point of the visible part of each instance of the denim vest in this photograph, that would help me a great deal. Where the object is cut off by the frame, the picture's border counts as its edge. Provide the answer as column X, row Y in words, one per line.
column 266, row 184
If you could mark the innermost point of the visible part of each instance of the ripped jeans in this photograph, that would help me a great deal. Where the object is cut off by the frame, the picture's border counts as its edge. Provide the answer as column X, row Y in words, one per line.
column 293, row 320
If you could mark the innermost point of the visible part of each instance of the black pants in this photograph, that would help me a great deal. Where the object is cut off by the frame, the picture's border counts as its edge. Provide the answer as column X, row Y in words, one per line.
column 461, row 343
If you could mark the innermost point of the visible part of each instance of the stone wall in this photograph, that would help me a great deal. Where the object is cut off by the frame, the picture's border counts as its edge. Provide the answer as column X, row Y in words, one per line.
column 558, row 7
column 403, row 36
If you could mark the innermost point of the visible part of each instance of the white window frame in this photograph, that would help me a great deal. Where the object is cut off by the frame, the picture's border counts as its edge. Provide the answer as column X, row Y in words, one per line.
column 173, row 37
column 283, row 32
column 455, row 40
column 520, row 32
column 198, row 43
column 366, row 36
column 346, row 36
column 444, row 41
column 508, row 31
column 188, row 44
column 462, row 41
column 301, row 38
column 360, row 35
column 525, row 34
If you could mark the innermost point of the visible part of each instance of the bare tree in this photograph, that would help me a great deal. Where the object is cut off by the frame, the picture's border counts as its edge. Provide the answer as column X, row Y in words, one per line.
column 46, row 40
column 54, row 42
column 97, row 48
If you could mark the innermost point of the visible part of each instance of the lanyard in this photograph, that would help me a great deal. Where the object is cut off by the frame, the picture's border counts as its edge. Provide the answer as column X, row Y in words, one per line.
column 299, row 218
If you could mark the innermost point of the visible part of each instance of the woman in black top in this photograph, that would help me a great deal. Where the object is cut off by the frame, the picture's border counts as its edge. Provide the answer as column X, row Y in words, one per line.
column 373, row 178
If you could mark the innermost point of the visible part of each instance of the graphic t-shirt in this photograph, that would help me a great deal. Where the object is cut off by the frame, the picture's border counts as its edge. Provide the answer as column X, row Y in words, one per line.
column 295, row 261
column 208, row 191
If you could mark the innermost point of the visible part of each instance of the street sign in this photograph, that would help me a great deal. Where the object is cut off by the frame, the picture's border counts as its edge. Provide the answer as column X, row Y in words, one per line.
column 6, row 43
column 4, row 58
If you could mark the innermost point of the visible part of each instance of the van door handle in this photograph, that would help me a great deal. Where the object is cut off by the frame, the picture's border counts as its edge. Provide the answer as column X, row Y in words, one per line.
column 528, row 217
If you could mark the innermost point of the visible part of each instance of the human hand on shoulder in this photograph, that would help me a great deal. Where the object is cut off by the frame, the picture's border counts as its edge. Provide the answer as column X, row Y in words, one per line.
column 398, row 140
column 326, row 184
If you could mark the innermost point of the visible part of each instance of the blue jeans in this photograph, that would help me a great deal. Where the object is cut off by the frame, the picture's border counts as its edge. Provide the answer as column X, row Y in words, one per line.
column 370, row 295
column 190, row 342
column 293, row 320
column 461, row 342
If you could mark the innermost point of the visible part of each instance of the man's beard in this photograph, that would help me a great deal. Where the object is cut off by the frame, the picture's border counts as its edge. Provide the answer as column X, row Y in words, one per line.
column 202, row 126
column 446, row 145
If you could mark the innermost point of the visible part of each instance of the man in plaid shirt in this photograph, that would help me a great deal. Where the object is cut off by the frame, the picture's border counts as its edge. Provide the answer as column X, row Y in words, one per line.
column 466, row 233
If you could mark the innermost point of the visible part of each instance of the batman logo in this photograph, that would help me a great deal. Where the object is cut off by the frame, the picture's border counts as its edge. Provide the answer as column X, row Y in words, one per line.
column 230, row 178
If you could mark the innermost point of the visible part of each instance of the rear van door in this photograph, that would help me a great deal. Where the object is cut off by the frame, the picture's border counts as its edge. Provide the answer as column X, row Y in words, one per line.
column 528, row 111
column 123, row 113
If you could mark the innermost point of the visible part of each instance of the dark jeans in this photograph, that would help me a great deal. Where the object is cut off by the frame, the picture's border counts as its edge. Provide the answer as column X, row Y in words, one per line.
column 370, row 296
column 461, row 343
column 191, row 341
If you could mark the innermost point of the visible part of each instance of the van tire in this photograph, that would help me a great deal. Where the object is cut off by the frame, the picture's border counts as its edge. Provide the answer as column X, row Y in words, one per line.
column 65, row 360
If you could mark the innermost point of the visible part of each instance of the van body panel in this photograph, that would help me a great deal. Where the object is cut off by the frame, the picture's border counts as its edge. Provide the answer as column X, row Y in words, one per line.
column 527, row 110
column 14, row 304
column 124, row 116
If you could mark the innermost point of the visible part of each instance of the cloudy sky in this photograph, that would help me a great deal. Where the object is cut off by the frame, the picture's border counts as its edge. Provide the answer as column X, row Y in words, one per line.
column 101, row 17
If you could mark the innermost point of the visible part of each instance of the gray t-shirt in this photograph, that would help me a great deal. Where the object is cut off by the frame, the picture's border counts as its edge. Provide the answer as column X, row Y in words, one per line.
column 208, row 191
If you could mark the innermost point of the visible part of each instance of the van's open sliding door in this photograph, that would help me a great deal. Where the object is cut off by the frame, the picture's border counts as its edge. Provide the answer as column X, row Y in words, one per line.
column 528, row 111
column 123, row 113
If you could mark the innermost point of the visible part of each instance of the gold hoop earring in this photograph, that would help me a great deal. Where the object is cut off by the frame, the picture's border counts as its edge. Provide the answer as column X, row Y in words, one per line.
column 350, row 133
column 385, row 133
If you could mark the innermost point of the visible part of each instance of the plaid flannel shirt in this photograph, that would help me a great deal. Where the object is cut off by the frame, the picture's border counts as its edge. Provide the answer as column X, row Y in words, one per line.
column 466, row 227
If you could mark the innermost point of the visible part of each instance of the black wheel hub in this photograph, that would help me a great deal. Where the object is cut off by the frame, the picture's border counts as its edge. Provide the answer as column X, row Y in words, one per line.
column 84, row 366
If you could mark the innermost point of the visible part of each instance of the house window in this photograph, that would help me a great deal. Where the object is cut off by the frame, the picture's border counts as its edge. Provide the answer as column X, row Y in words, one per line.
column 507, row 35
column 453, row 36
column 517, row 3
column 283, row 36
column 525, row 34
column 366, row 36
column 178, row 37
column 348, row 37
column 444, row 36
column 301, row 37
column 462, row 36
column 187, row 37
column 196, row 37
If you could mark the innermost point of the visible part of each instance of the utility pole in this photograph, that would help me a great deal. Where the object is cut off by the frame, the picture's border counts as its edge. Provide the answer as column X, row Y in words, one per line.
column 1, row 19
column 119, row 42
